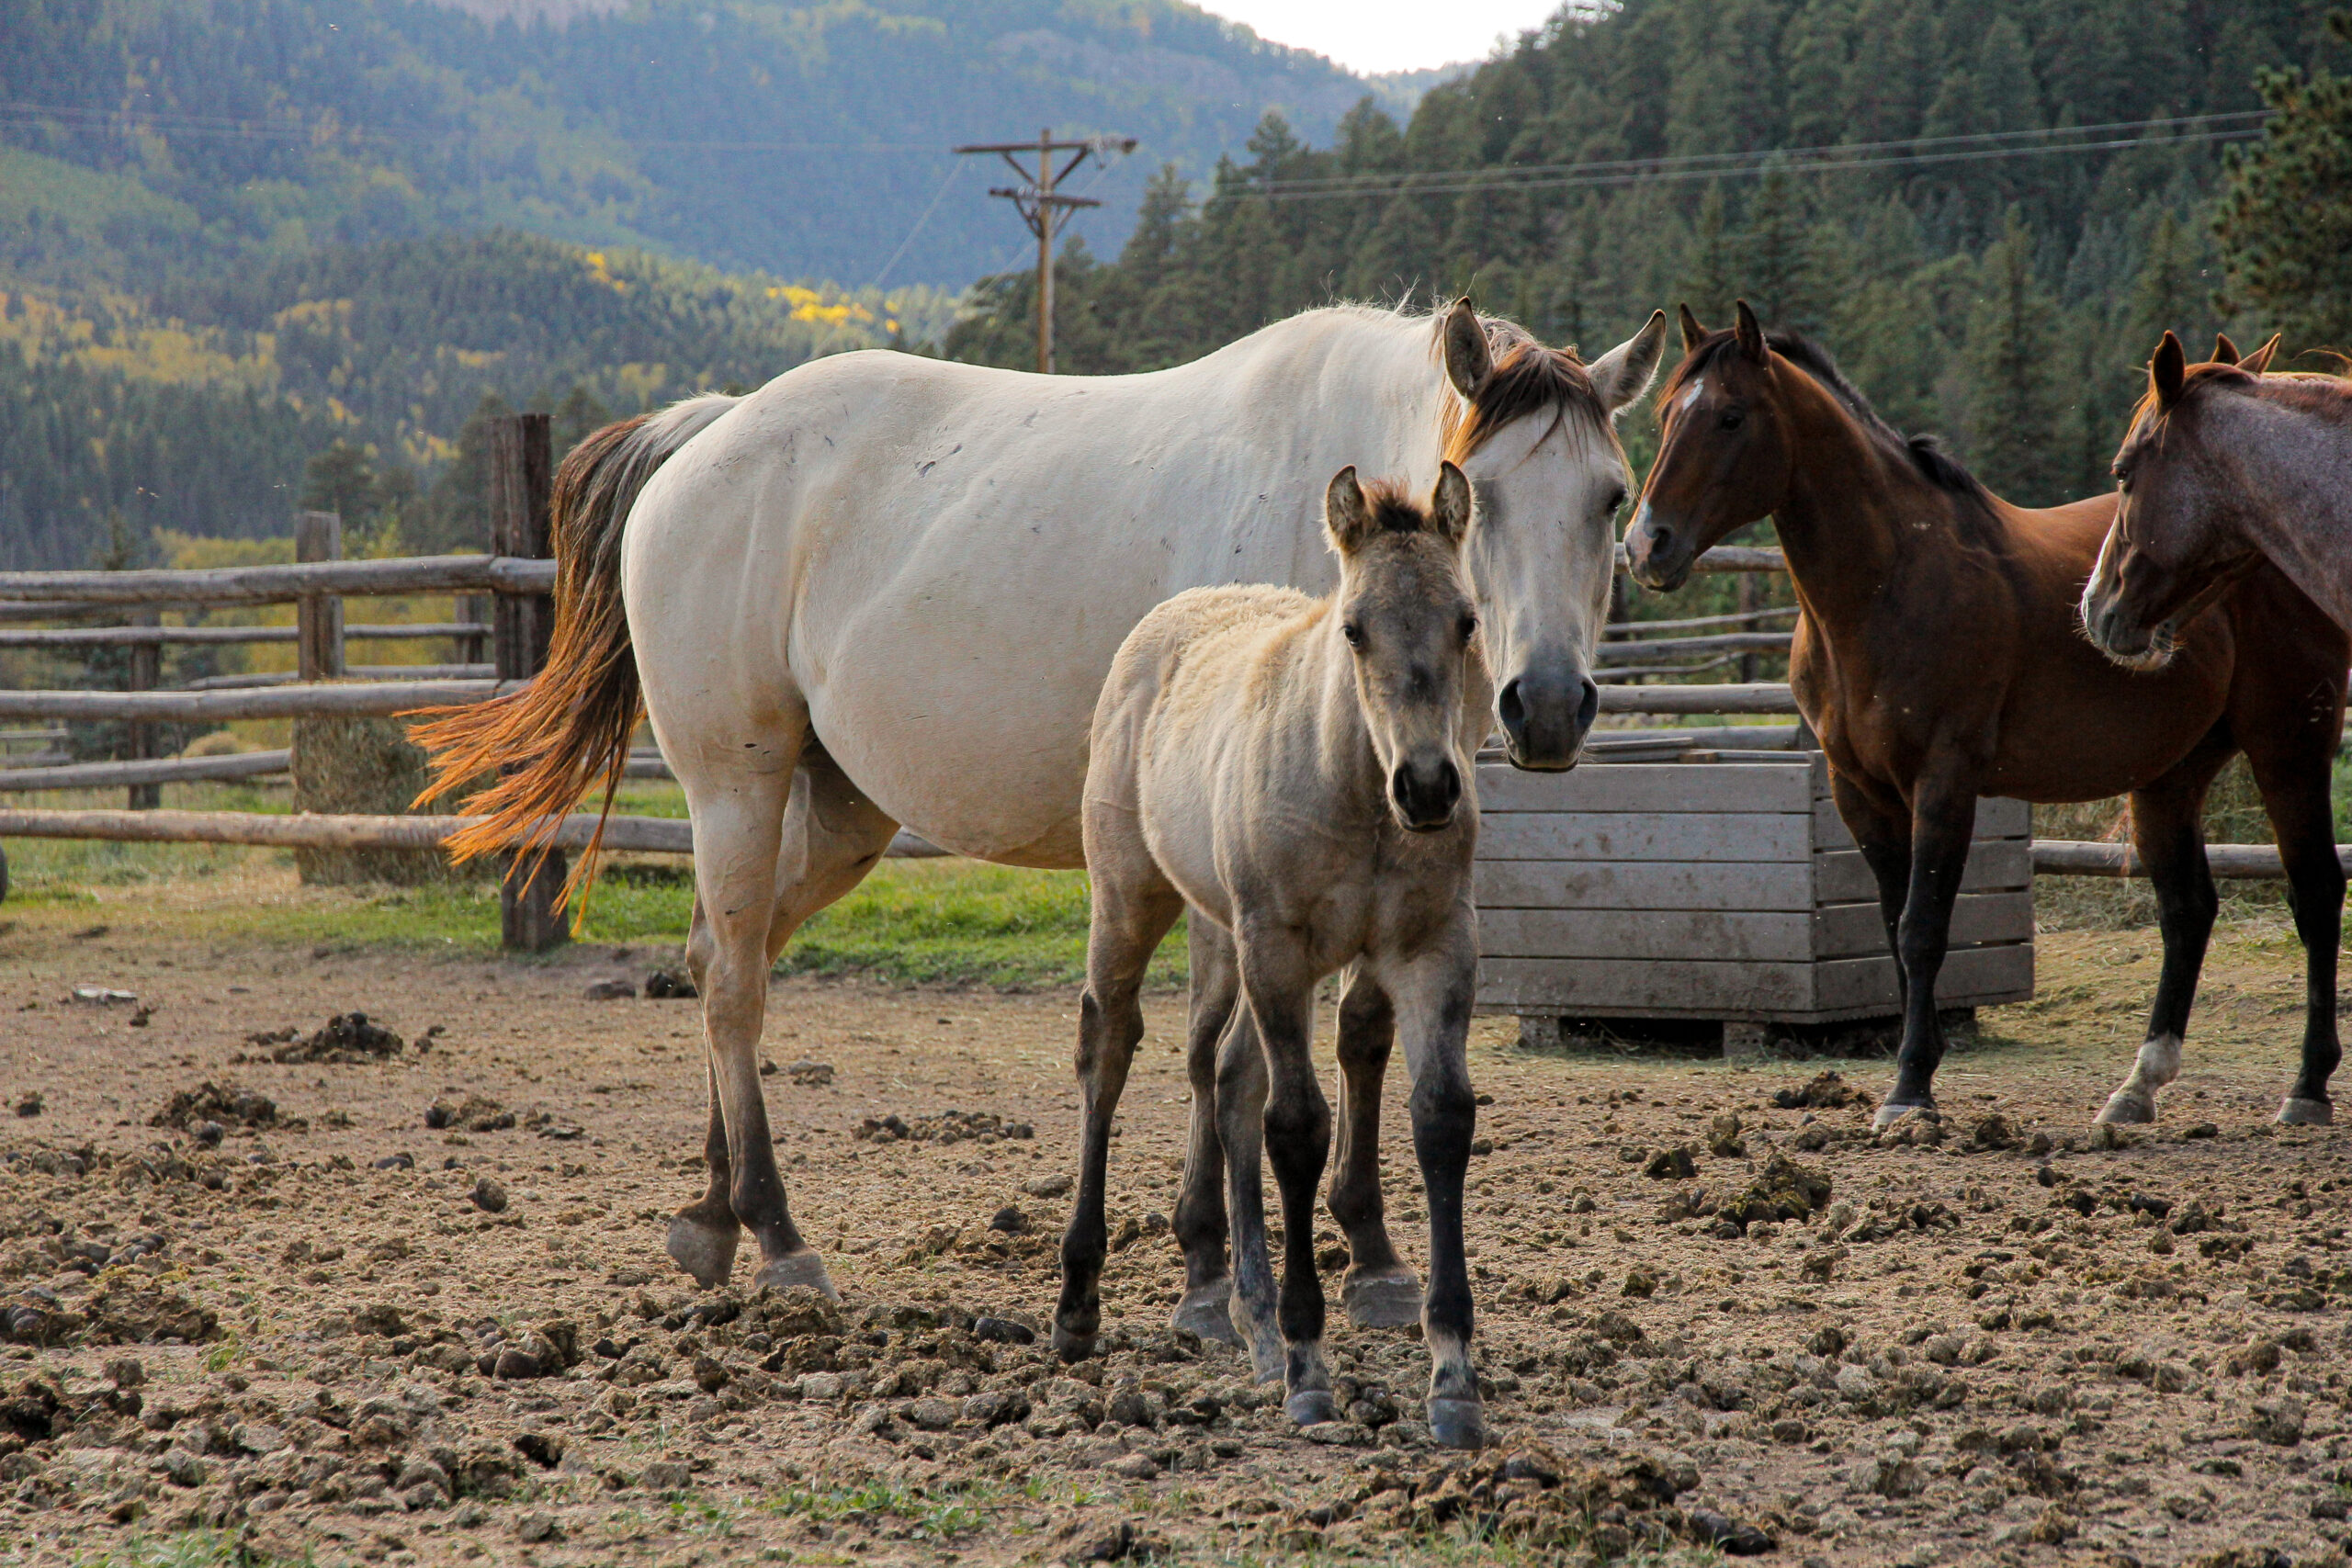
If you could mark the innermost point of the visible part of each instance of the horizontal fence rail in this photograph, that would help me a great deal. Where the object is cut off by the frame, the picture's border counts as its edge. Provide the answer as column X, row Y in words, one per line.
column 167, row 770
column 355, row 673
column 323, row 699
column 314, row 830
column 199, row 637
column 1761, row 697
column 64, row 590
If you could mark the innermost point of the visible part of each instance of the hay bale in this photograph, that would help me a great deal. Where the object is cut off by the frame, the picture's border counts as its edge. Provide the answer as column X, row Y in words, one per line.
column 362, row 767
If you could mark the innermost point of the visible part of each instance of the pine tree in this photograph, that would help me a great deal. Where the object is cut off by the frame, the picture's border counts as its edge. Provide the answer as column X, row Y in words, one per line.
column 1707, row 286
column 2011, row 365
column 1774, row 265
column 2285, row 224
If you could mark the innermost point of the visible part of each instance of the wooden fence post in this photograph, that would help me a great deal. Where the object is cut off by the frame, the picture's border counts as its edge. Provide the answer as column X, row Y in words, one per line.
column 146, row 670
column 531, row 919
column 318, row 617
column 474, row 609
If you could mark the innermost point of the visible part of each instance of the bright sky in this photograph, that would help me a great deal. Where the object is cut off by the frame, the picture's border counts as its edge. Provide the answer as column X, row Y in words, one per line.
column 1373, row 35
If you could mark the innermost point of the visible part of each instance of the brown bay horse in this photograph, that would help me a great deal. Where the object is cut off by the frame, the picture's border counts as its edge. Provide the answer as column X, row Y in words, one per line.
column 2226, row 465
column 1939, row 658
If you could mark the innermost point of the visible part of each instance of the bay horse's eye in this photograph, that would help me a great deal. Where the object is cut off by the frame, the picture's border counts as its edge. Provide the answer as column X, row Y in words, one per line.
column 1352, row 632
column 1733, row 419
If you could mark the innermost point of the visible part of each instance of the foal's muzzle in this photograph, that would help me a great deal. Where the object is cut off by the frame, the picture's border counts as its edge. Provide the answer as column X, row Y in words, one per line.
column 1425, row 794
column 1544, row 715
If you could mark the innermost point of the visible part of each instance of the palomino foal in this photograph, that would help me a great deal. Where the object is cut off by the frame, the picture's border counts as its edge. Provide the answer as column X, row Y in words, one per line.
column 1299, row 773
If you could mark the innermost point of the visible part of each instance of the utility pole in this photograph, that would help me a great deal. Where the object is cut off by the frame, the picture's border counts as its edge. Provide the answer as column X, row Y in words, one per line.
column 1040, row 206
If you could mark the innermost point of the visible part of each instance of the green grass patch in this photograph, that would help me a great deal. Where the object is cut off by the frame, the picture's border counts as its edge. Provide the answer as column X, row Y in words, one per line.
column 189, row 1549
column 935, row 1515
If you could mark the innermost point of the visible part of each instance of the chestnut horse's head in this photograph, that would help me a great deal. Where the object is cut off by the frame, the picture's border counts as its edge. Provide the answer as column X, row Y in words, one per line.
column 1724, row 450
column 2173, row 547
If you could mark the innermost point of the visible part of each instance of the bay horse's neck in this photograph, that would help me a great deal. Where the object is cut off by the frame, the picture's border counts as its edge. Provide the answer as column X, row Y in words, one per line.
column 1853, row 508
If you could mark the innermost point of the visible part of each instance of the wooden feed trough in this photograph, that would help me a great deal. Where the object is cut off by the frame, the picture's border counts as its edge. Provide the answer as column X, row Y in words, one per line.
column 1720, row 887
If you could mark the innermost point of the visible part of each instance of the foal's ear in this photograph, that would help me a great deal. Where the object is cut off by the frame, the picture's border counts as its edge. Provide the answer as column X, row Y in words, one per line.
column 2224, row 350
column 2167, row 370
column 1346, row 516
column 2259, row 360
column 1750, row 334
column 1624, row 372
column 1693, row 334
column 1450, row 503
column 1468, row 360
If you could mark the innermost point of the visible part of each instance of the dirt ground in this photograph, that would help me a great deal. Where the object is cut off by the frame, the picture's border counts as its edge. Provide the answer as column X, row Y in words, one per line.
column 341, row 1332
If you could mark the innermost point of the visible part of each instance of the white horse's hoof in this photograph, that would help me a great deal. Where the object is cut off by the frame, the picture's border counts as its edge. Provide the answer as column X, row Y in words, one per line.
column 803, row 1268
column 1887, row 1115
column 1458, row 1423
column 1206, row 1310
column 1382, row 1298
column 2295, row 1112
column 2125, row 1109
column 706, row 1251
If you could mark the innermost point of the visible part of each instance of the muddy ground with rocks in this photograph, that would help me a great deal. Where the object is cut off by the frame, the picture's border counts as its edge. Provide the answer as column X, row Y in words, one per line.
column 356, row 1256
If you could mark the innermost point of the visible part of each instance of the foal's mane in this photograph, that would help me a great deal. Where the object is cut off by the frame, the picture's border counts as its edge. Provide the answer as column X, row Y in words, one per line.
column 1924, row 452
column 1527, row 377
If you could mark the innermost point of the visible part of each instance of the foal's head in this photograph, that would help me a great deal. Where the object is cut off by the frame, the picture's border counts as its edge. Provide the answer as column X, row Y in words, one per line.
column 2173, row 545
column 1407, row 616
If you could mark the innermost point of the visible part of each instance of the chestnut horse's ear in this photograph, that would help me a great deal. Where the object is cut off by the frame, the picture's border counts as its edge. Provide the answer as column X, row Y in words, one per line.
column 1750, row 334
column 1449, row 504
column 2166, row 371
column 2259, row 360
column 1346, row 516
column 1693, row 334
column 1468, row 360
column 2224, row 351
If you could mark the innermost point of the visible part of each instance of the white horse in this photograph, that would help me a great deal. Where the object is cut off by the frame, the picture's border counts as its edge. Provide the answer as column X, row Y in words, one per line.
column 884, row 589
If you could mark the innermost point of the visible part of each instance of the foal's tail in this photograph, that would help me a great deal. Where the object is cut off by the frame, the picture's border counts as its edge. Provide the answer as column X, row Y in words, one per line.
column 551, row 742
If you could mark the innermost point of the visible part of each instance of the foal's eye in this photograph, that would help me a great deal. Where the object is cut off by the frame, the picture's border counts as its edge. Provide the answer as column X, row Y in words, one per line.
column 1733, row 419
column 1352, row 632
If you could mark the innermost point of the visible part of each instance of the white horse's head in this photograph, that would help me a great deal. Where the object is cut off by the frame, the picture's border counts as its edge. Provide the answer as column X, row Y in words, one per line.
column 1534, row 430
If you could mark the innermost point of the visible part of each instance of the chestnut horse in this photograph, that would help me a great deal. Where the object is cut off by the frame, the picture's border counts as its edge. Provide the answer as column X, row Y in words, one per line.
column 2224, row 467
column 1938, row 657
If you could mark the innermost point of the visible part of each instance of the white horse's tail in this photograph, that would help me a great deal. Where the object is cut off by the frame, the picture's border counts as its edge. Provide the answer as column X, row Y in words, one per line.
column 570, row 727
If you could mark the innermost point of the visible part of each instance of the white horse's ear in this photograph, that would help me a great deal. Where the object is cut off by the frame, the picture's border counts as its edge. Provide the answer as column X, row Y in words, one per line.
column 2259, row 360
column 1449, row 504
column 1347, row 517
column 2167, row 371
column 1468, row 360
column 1623, row 374
column 1750, row 334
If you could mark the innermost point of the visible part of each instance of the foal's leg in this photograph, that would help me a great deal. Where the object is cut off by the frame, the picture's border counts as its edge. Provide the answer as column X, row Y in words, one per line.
column 1133, row 908
column 1433, row 994
column 2168, row 829
column 1379, row 1291
column 2294, row 783
column 1200, row 1206
column 1943, row 821
column 1279, row 985
column 1241, row 1128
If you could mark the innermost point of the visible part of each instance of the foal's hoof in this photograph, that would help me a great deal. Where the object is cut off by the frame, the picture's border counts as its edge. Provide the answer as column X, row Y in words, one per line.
column 705, row 1250
column 804, row 1269
column 1382, row 1298
column 2295, row 1112
column 1072, row 1346
column 1206, row 1310
column 1458, row 1423
column 1891, row 1112
column 2126, row 1109
column 1311, row 1408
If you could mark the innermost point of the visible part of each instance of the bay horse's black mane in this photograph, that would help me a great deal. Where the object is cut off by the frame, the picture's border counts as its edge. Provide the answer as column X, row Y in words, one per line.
column 1925, row 452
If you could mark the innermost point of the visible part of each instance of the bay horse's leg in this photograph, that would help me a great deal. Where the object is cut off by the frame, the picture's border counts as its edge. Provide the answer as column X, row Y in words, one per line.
column 1200, row 1227
column 1133, row 907
column 1279, row 986
column 2168, row 831
column 1241, row 1129
column 2294, row 781
column 1379, row 1291
column 1433, row 995
column 1943, row 821
column 1884, row 835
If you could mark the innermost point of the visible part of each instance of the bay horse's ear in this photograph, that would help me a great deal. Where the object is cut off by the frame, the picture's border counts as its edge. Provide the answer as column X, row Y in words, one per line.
column 1468, row 360
column 2259, row 360
column 1347, row 517
column 1750, row 334
column 1693, row 334
column 2224, row 350
column 1624, row 372
column 2167, row 370
column 1450, row 503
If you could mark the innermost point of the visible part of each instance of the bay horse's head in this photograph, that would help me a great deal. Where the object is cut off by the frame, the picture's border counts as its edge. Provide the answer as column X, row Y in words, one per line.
column 2173, row 545
column 1406, row 615
column 1532, row 429
column 1724, row 455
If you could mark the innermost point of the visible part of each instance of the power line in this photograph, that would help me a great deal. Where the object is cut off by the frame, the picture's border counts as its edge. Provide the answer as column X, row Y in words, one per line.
column 1041, row 208
column 1600, row 174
